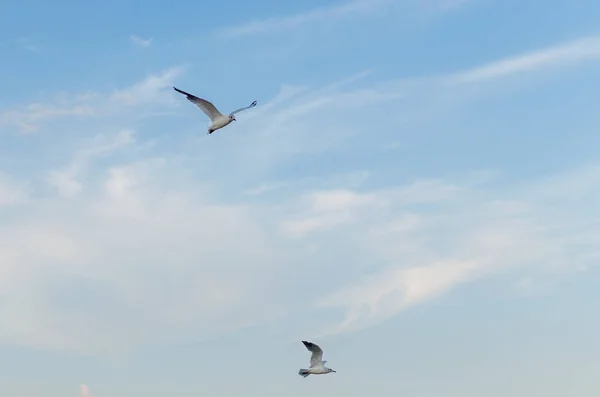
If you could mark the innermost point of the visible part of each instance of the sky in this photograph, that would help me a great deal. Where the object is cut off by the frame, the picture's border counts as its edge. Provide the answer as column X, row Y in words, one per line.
column 417, row 192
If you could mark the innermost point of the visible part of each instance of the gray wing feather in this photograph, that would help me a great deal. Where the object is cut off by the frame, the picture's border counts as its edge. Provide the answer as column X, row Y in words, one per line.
column 208, row 108
column 317, row 354
column 247, row 107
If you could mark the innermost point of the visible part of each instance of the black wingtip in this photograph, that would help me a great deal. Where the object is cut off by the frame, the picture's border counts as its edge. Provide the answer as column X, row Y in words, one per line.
column 181, row 91
column 187, row 94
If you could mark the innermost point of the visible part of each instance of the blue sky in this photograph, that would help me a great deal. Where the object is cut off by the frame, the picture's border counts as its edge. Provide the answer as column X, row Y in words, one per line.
column 416, row 192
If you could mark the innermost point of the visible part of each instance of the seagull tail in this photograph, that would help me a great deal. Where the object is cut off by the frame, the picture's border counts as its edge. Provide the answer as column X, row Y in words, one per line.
column 304, row 373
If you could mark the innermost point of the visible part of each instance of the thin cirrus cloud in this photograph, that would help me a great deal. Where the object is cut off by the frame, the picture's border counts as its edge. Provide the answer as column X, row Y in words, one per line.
column 28, row 45
column 337, row 12
column 146, row 201
column 27, row 119
column 401, row 92
column 137, row 40
column 148, row 91
column 513, row 232
column 138, row 212
column 320, row 14
column 329, row 14
column 401, row 246
column 11, row 193
column 564, row 54
column 66, row 180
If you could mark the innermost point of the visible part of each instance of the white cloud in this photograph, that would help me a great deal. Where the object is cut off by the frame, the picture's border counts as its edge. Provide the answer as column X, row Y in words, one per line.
column 128, row 263
column 354, row 8
column 338, row 108
column 329, row 14
column 151, row 90
column 264, row 188
column 28, row 45
column 564, row 54
column 66, row 179
column 10, row 192
column 147, row 250
column 28, row 119
column 137, row 40
column 65, row 183
column 134, row 241
column 328, row 210
column 390, row 292
column 436, row 6
column 529, row 229
column 148, row 91
column 337, row 12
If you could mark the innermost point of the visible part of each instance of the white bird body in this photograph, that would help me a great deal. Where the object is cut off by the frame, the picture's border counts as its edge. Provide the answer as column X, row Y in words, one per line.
column 218, row 119
column 315, row 371
column 219, row 122
column 317, row 365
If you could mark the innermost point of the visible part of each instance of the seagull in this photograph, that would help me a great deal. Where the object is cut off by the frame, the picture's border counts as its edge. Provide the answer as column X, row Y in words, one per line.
column 218, row 119
column 317, row 365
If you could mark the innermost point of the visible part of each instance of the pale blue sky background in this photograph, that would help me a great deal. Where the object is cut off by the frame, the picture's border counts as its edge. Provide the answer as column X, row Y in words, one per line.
column 417, row 192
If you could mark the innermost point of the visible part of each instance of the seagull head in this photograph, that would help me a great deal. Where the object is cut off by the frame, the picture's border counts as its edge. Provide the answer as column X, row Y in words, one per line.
column 232, row 117
column 330, row 370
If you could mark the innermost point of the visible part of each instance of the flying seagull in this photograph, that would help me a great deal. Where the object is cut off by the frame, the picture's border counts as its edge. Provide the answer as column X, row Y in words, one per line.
column 317, row 365
column 218, row 119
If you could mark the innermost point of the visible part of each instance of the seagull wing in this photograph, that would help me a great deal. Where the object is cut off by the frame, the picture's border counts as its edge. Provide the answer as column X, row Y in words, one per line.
column 247, row 107
column 316, row 359
column 208, row 108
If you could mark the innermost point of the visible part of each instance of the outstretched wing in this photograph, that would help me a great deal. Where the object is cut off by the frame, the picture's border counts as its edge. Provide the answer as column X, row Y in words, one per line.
column 240, row 109
column 316, row 359
column 208, row 108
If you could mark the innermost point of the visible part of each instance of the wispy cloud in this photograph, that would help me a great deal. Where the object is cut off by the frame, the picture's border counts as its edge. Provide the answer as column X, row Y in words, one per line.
column 67, row 180
column 330, row 209
column 283, row 133
column 512, row 232
column 151, row 201
column 28, row 45
column 564, row 54
column 267, row 187
column 137, row 40
column 28, row 119
column 448, row 4
column 340, row 11
column 136, row 230
column 148, row 91
column 384, row 295
column 10, row 192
